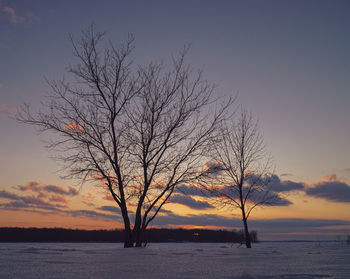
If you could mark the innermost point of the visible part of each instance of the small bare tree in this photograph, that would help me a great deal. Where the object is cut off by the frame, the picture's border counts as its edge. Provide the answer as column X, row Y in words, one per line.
column 140, row 130
column 240, row 169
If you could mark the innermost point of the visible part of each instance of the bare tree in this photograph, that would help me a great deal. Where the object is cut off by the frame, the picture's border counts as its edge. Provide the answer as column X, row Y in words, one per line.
column 140, row 130
column 240, row 169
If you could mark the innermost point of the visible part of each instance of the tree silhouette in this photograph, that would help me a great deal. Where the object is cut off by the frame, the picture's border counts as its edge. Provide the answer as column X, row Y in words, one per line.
column 238, row 174
column 138, row 130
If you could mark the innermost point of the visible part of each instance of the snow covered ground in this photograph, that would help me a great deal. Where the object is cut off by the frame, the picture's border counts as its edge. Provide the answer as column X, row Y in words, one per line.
column 168, row 260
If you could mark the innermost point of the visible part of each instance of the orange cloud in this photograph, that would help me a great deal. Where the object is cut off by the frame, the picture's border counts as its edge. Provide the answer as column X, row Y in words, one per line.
column 88, row 203
column 10, row 111
column 12, row 13
column 213, row 167
column 53, row 205
column 73, row 127
column 37, row 187
column 108, row 197
column 30, row 186
column 56, row 198
column 87, row 200
column 26, row 17
column 330, row 177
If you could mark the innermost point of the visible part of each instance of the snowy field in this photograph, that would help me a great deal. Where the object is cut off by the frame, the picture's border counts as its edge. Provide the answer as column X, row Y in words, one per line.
column 166, row 260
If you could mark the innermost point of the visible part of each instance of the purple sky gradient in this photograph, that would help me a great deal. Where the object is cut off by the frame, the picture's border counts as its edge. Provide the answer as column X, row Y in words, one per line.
column 289, row 61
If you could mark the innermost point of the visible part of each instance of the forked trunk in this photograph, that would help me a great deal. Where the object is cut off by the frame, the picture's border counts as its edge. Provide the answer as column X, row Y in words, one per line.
column 128, row 236
column 139, row 238
column 137, row 228
column 128, row 239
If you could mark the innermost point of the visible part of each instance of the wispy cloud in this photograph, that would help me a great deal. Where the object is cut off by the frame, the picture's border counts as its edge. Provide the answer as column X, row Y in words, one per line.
column 277, row 200
column 92, row 214
column 10, row 111
column 55, row 204
column 37, row 197
column 35, row 186
column 330, row 188
column 59, row 190
column 15, row 19
column 57, row 198
column 73, row 127
column 285, row 186
column 275, row 184
column 29, row 186
column 191, row 190
column 333, row 191
column 17, row 201
column 214, row 168
column 330, row 177
column 31, row 17
column 89, row 200
column 285, row 174
column 8, row 195
column 113, row 209
column 190, row 202
column 108, row 197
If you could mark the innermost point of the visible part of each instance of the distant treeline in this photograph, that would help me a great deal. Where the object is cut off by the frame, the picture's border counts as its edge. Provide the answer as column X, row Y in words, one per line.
column 152, row 235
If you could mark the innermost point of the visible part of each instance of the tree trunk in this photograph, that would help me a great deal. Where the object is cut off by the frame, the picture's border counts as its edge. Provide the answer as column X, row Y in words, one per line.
column 137, row 227
column 247, row 239
column 140, row 237
column 128, row 239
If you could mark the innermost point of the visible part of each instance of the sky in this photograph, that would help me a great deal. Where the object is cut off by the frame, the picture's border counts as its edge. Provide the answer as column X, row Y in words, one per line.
column 288, row 61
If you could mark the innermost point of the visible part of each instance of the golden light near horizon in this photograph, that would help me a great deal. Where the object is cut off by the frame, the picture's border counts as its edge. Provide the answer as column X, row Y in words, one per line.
column 296, row 86
column 94, row 199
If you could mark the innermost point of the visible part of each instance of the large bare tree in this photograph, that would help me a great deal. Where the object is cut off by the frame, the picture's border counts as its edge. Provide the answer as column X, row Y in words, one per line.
column 138, row 130
column 238, row 173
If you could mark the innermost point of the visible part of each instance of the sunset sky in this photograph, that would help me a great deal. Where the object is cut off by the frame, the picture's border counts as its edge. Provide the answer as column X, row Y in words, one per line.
column 288, row 61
